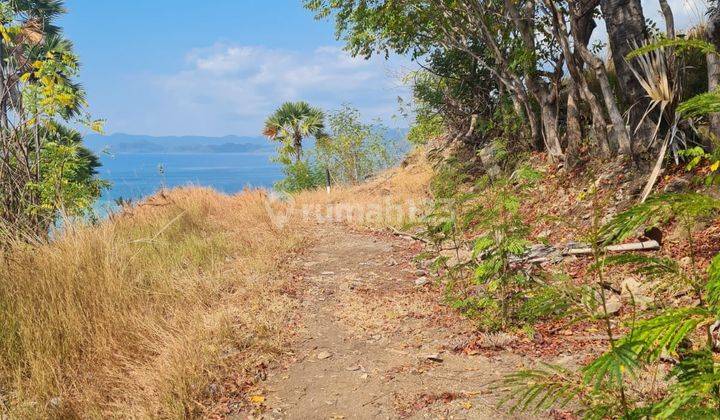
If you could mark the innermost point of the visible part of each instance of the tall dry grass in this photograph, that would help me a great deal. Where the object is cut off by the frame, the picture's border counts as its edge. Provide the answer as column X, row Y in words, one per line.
column 394, row 198
column 137, row 317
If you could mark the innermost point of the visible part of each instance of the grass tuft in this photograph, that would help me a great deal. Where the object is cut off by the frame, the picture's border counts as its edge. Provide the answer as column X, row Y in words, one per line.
column 137, row 317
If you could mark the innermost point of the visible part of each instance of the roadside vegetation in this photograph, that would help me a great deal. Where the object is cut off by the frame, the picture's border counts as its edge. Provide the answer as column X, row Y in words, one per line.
column 558, row 193
column 148, row 313
column 346, row 151
column 516, row 109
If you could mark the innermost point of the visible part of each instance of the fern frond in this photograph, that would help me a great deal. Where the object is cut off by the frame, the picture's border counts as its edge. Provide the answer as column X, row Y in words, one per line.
column 649, row 266
column 712, row 288
column 620, row 227
column 549, row 300
column 679, row 43
column 664, row 332
column 702, row 104
column 612, row 366
column 657, row 209
column 693, row 394
column 534, row 390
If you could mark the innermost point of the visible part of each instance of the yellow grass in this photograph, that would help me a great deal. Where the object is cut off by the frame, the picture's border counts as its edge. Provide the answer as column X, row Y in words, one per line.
column 149, row 313
column 394, row 198
column 138, row 316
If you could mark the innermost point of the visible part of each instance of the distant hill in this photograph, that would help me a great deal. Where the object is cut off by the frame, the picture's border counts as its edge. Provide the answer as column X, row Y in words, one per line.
column 131, row 143
column 137, row 143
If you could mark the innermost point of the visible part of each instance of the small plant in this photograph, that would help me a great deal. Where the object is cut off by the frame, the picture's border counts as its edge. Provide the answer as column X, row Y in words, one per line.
column 479, row 239
column 685, row 334
column 706, row 162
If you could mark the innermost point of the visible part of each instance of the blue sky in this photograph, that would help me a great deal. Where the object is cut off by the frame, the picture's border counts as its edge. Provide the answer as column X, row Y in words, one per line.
column 217, row 67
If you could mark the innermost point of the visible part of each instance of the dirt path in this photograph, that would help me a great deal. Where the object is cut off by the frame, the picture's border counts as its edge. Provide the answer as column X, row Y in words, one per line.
column 373, row 344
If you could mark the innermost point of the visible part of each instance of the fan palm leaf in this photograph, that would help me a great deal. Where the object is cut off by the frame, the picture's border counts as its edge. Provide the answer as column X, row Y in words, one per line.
column 292, row 122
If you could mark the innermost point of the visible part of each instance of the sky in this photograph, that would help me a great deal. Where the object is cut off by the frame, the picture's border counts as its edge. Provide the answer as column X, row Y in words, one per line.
column 219, row 67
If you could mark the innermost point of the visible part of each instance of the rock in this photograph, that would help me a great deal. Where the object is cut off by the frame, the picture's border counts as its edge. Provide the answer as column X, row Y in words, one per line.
column 324, row 355
column 55, row 402
column 630, row 286
column 544, row 234
column 364, row 376
column 353, row 368
column 677, row 185
column 632, row 290
column 421, row 281
column 612, row 304
column 327, row 273
column 420, row 273
column 434, row 358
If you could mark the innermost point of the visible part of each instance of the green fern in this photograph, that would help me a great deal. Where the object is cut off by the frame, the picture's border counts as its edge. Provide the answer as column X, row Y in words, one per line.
column 683, row 332
column 664, row 333
column 646, row 265
column 655, row 210
column 611, row 367
column 712, row 287
column 702, row 104
column 681, row 44
column 695, row 391
column 539, row 389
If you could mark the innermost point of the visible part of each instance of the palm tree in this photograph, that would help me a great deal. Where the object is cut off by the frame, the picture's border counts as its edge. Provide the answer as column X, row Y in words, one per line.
column 293, row 122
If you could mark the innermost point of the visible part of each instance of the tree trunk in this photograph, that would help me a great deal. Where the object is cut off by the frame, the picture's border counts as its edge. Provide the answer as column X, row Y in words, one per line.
column 297, row 145
column 626, row 28
column 581, row 29
column 669, row 19
column 536, row 134
column 573, row 133
column 540, row 91
column 713, row 67
column 549, row 117
column 579, row 84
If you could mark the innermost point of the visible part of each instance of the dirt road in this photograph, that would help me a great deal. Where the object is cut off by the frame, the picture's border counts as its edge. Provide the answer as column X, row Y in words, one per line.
column 374, row 342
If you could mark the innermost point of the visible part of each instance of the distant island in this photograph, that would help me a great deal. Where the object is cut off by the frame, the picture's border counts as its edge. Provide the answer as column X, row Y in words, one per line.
column 132, row 143
column 140, row 143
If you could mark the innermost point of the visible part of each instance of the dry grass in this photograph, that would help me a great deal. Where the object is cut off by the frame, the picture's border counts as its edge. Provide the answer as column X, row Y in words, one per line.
column 393, row 198
column 137, row 316
column 149, row 313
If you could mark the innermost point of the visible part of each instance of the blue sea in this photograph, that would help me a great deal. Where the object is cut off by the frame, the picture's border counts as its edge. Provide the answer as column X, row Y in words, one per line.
column 136, row 175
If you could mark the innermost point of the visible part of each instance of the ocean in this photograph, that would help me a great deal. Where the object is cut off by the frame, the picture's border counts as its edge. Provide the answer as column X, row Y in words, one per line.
column 137, row 175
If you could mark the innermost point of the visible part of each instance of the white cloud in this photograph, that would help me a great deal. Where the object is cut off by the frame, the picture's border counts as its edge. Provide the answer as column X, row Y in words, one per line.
column 227, row 88
column 686, row 13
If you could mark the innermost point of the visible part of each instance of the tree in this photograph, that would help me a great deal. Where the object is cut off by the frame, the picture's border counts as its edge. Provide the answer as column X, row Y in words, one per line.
column 501, row 37
column 354, row 150
column 533, row 52
column 626, row 29
column 293, row 122
column 713, row 61
column 43, row 167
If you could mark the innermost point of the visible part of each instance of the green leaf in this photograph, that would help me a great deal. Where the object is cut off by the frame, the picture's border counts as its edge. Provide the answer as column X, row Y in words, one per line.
column 612, row 366
column 664, row 332
column 713, row 284
column 702, row 104
column 657, row 209
column 650, row 266
column 680, row 43
column 533, row 390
